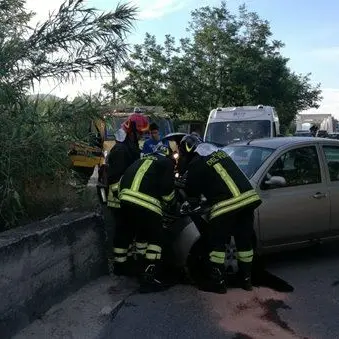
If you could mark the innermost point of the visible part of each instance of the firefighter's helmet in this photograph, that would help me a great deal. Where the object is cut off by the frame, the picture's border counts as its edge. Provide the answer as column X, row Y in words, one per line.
column 164, row 150
column 136, row 123
column 189, row 144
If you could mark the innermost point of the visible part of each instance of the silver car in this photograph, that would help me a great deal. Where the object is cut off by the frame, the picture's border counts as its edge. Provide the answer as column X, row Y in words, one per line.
column 298, row 181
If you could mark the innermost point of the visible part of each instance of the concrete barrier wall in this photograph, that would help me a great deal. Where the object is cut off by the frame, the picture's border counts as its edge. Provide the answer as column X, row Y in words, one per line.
column 41, row 263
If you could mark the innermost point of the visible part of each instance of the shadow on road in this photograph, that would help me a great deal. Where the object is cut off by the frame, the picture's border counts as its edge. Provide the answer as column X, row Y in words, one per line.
column 316, row 254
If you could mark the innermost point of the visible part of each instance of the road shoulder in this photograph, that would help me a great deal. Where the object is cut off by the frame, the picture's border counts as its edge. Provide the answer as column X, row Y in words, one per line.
column 84, row 314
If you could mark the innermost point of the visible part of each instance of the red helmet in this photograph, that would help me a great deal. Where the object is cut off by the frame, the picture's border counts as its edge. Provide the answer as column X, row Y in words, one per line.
column 137, row 122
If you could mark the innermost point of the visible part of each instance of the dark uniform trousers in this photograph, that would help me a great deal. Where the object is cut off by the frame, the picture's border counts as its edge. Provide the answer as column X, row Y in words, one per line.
column 240, row 225
column 138, row 243
column 122, row 155
column 143, row 225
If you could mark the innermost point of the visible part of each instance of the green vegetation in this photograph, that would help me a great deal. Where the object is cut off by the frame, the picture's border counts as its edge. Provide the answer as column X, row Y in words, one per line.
column 226, row 60
column 35, row 132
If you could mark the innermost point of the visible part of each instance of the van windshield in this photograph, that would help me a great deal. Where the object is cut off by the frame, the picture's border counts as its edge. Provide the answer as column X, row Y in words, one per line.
column 226, row 132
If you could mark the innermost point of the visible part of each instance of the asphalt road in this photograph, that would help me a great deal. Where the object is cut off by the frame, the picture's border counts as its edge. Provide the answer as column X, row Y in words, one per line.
column 310, row 311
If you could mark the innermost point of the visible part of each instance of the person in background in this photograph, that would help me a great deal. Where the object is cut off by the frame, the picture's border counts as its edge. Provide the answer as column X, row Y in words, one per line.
column 151, row 144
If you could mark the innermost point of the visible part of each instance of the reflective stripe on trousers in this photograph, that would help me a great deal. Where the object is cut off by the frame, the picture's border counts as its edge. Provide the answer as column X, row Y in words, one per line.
column 153, row 252
column 141, row 248
column 245, row 256
column 120, row 254
column 217, row 257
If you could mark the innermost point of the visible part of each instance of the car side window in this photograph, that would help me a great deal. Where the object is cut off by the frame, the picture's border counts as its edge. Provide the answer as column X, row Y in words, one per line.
column 332, row 158
column 299, row 166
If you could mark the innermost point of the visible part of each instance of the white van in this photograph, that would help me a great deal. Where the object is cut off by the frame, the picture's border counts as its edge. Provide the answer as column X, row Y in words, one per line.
column 231, row 124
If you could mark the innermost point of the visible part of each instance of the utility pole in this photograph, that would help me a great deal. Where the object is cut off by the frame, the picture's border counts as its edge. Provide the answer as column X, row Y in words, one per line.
column 114, row 85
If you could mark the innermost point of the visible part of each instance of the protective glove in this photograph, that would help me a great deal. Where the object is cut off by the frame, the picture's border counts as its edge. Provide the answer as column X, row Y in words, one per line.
column 185, row 208
column 188, row 209
column 180, row 183
column 168, row 219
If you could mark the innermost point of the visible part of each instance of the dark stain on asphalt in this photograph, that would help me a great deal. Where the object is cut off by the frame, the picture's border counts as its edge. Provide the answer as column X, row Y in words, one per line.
column 242, row 307
column 241, row 336
column 335, row 283
column 271, row 307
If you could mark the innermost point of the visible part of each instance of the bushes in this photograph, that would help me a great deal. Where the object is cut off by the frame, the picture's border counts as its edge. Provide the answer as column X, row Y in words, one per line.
column 35, row 171
column 35, row 134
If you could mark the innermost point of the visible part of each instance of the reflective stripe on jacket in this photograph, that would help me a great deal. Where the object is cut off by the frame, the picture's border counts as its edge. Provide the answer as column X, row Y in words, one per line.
column 215, row 175
column 149, row 183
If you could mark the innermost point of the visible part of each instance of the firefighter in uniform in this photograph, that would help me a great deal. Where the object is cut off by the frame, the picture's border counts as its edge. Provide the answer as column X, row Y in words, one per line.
column 146, row 191
column 124, row 153
column 213, row 174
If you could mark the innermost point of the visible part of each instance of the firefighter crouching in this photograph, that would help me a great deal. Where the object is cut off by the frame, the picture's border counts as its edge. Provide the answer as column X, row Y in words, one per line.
column 212, row 173
column 124, row 153
column 146, row 191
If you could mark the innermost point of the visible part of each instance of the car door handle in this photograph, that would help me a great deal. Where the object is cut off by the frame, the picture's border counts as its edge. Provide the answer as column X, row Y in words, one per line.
column 319, row 195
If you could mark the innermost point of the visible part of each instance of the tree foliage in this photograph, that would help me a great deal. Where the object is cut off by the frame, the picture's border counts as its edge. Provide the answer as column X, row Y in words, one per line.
column 35, row 132
column 228, row 60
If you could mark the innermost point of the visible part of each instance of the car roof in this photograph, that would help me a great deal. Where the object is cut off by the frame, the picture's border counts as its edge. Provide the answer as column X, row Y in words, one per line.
column 175, row 134
column 278, row 142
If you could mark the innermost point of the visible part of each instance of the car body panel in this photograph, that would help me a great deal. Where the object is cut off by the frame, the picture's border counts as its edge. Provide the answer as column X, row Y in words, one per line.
column 307, row 216
column 291, row 215
column 330, row 154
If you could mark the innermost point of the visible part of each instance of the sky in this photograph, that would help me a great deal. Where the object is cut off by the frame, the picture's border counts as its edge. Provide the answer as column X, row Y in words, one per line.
column 309, row 29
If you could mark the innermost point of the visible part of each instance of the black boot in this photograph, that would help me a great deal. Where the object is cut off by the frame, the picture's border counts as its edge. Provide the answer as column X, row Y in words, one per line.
column 246, row 284
column 245, row 276
column 214, row 280
column 123, row 269
column 152, row 279
column 139, row 265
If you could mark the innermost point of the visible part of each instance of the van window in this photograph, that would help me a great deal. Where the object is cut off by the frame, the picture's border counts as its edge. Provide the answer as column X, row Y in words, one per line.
column 226, row 132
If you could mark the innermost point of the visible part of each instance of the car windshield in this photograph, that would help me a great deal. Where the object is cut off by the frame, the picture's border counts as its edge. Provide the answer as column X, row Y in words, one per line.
column 248, row 158
column 224, row 133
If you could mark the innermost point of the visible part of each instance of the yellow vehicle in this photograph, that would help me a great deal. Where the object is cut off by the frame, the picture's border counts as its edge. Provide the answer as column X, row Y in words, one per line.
column 85, row 156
